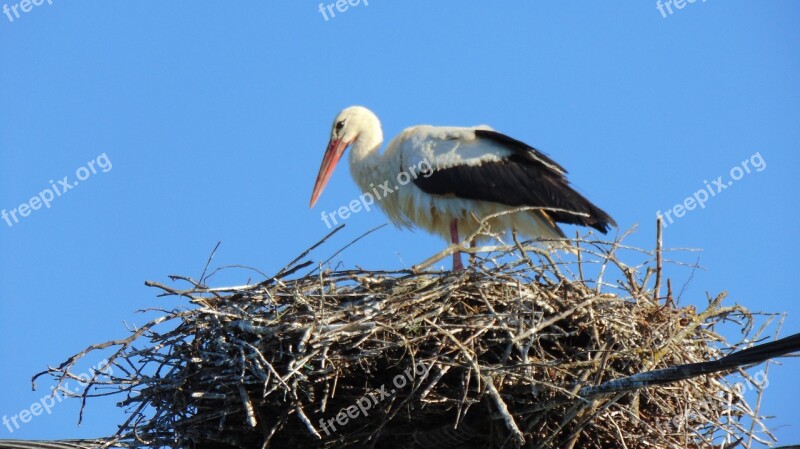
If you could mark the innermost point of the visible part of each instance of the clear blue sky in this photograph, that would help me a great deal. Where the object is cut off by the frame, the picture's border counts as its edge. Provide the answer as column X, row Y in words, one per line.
column 214, row 117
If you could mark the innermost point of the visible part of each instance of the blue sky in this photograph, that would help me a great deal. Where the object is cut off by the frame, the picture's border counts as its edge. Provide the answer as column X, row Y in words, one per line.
column 212, row 119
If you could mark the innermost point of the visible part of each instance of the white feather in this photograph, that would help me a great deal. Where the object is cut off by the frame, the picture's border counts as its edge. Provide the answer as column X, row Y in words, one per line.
column 438, row 148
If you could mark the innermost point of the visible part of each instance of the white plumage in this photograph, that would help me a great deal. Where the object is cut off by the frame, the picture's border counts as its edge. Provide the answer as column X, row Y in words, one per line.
column 446, row 179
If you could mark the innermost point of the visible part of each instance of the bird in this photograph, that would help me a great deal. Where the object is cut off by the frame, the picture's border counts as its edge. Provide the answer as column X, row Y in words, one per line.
column 447, row 179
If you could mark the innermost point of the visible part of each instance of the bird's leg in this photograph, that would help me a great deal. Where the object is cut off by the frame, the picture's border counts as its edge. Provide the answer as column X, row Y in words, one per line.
column 457, row 265
column 472, row 244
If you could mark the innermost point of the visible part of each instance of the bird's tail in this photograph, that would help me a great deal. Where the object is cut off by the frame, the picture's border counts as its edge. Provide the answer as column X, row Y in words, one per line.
column 537, row 224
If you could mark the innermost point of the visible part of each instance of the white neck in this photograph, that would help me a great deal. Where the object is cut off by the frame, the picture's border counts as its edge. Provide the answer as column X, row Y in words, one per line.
column 366, row 162
column 367, row 145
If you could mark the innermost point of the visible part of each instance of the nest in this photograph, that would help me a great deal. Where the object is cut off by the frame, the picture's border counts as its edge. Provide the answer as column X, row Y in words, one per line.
column 508, row 353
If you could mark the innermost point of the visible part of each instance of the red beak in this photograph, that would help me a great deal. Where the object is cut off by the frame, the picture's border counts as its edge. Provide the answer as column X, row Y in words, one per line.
column 332, row 154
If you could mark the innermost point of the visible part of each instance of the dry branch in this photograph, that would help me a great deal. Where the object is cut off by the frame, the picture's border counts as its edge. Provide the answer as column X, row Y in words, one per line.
column 517, row 351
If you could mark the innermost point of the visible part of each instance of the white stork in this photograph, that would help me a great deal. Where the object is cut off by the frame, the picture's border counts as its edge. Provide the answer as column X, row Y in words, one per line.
column 454, row 177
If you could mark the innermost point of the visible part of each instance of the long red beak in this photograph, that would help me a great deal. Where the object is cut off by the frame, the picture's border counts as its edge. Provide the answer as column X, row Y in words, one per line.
column 332, row 154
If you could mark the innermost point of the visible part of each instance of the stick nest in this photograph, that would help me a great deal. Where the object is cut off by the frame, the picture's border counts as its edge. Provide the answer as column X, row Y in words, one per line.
column 494, row 356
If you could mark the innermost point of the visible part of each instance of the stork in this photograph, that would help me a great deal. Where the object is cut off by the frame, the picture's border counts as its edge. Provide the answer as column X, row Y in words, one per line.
column 455, row 177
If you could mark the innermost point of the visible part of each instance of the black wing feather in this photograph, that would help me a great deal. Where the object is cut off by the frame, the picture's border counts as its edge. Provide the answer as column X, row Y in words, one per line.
column 520, row 180
column 521, row 148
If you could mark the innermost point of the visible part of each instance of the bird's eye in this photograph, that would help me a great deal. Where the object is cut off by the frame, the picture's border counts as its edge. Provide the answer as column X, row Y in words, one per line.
column 339, row 126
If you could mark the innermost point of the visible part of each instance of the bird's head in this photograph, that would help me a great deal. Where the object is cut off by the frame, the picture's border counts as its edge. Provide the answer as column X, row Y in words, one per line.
column 350, row 125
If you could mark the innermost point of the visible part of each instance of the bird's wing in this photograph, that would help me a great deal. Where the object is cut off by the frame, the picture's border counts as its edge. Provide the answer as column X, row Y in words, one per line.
column 482, row 164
